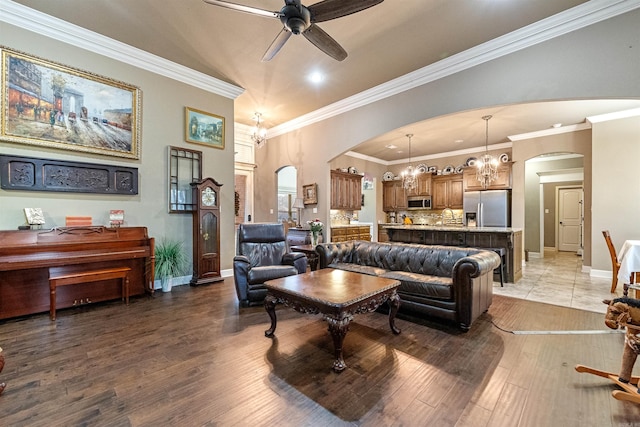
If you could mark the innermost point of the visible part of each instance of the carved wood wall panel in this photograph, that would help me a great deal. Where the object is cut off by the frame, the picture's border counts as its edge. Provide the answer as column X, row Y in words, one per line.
column 34, row 174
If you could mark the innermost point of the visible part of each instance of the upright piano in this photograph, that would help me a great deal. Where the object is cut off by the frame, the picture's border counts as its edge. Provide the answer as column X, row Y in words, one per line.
column 27, row 255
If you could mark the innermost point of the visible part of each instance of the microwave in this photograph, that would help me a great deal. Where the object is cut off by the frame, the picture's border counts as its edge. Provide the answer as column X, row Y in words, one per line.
column 419, row 202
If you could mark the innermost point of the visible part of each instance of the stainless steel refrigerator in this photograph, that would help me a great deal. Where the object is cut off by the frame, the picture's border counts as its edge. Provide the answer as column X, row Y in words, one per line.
column 492, row 208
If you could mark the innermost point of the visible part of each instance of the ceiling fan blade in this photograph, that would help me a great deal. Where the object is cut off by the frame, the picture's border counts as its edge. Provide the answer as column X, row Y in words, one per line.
column 332, row 9
column 276, row 45
column 325, row 42
column 243, row 8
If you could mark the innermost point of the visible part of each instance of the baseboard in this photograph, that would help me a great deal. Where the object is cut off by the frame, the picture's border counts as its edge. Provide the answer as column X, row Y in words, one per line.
column 184, row 280
column 603, row 274
column 586, row 269
column 535, row 255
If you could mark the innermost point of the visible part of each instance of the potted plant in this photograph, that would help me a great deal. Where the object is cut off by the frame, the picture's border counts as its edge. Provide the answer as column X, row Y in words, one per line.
column 171, row 262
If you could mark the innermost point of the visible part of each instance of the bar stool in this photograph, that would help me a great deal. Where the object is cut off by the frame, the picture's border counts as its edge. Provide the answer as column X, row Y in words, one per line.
column 501, row 252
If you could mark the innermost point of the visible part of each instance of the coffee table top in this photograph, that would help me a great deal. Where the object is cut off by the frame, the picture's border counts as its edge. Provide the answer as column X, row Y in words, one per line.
column 332, row 287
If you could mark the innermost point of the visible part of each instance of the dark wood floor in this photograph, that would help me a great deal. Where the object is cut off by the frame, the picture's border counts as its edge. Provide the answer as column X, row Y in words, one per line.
column 192, row 358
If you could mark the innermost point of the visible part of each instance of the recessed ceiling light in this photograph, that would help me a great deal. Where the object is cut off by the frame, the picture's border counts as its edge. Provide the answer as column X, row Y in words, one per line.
column 556, row 125
column 459, row 141
column 316, row 77
column 390, row 146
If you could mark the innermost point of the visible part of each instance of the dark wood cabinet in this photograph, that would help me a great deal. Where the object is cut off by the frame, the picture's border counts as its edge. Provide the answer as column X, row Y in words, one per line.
column 346, row 191
column 448, row 191
column 394, row 196
column 423, row 185
column 503, row 181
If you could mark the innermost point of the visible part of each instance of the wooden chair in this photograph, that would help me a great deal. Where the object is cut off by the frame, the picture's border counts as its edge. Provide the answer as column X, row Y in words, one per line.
column 614, row 260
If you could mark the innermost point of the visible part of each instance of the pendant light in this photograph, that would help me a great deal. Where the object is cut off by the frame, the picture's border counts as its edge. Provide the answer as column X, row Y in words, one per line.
column 259, row 133
column 487, row 165
column 409, row 174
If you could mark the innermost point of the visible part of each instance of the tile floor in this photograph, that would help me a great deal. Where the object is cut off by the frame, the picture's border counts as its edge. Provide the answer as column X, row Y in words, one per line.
column 557, row 279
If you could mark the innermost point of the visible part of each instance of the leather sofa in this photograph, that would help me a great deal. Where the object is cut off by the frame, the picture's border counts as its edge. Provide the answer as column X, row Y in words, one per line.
column 262, row 255
column 447, row 282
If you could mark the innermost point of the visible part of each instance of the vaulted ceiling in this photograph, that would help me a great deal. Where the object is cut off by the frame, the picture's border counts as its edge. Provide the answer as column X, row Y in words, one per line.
column 383, row 42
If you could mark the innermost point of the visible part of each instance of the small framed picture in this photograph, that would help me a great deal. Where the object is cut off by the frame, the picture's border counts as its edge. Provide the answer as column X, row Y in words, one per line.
column 310, row 194
column 203, row 128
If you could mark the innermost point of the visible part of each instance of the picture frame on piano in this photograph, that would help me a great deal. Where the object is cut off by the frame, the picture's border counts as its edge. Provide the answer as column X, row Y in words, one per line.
column 34, row 216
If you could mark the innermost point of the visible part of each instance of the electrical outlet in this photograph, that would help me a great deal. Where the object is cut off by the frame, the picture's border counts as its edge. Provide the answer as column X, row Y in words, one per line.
column 271, row 211
column 546, row 211
column 315, row 210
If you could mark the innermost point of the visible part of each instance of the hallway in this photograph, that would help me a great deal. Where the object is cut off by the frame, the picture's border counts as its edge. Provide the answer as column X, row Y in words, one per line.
column 557, row 279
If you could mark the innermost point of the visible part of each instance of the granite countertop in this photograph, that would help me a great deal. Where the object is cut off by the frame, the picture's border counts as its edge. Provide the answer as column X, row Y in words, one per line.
column 457, row 228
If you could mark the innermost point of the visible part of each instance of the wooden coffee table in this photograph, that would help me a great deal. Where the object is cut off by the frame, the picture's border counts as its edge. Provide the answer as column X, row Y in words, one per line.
column 336, row 294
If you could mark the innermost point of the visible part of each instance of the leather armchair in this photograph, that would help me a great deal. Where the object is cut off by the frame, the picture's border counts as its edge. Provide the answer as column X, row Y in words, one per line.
column 262, row 254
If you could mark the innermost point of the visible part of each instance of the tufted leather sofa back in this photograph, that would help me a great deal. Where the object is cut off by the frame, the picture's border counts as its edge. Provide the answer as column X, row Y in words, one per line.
column 421, row 259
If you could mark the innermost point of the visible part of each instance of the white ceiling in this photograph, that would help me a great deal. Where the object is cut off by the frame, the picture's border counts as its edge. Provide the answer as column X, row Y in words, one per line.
column 384, row 42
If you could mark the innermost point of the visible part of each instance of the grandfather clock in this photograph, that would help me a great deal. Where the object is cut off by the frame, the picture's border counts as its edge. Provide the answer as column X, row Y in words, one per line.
column 206, row 232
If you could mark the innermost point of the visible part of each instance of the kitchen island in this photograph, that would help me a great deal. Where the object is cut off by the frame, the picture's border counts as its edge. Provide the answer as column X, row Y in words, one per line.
column 509, row 239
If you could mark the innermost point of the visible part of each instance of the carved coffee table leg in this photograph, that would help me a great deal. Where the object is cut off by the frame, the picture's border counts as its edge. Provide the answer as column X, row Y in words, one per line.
column 394, row 302
column 2, row 385
column 338, row 328
column 270, row 305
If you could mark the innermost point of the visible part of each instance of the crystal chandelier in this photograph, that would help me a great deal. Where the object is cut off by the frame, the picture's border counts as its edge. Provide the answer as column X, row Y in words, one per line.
column 409, row 174
column 259, row 133
column 487, row 165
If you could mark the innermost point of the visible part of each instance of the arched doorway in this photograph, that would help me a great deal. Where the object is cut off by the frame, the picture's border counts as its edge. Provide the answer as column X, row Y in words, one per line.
column 287, row 192
column 553, row 183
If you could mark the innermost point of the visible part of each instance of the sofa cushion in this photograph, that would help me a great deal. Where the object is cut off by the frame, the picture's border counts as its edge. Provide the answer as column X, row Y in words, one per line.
column 270, row 272
column 422, row 285
column 357, row 268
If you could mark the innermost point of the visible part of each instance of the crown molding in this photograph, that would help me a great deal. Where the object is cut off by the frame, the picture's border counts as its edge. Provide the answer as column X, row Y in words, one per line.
column 573, row 19
column 614, row 116
column 46, row 25
column 551, row 131
column 476, row 150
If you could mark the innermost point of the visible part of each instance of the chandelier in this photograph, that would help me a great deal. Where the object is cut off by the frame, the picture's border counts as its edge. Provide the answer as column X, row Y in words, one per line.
column 409, row 174
column 259, row 133
column 487, row 165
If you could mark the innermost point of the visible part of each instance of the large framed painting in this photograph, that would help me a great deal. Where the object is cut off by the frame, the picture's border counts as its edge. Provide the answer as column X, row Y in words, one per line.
column 203, row 128
column 52, row 105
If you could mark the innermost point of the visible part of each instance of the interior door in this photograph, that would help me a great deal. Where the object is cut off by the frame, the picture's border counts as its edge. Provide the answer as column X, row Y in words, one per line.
column 569, row 219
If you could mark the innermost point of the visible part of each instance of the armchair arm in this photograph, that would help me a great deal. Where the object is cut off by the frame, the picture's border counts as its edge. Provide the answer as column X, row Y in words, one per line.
column 296, row 259
column 241, row 267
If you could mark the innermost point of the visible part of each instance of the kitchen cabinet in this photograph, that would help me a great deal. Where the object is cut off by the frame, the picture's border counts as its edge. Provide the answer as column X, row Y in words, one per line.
column 394, row 196
column 346, row 191
column 352, row 232
column 423, row 185
column 502, row 182
column 448, row 191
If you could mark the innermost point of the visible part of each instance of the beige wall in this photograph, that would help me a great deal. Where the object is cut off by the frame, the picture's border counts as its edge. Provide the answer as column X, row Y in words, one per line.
column 163, row 102
column 616, row 186
column 593, row 62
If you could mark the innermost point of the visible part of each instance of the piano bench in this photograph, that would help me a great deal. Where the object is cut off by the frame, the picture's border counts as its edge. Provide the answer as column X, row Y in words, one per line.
column 61, row 276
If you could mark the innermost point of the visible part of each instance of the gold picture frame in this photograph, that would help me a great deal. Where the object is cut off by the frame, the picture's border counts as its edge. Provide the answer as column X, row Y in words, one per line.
column 52, row 105
column 203, row 128
column 310, row 194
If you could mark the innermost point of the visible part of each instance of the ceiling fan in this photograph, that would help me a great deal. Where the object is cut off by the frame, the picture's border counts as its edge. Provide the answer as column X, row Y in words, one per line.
column 300, row 19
